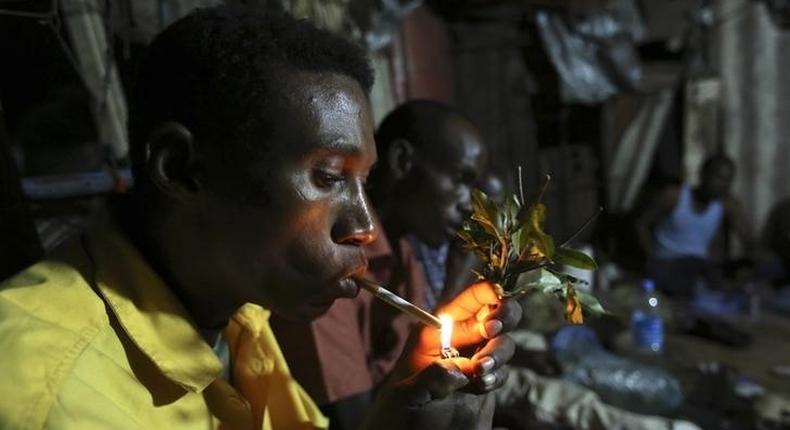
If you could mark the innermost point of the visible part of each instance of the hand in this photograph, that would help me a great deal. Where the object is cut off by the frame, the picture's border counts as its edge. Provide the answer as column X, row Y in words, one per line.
column 480, row 320
column 426, row 391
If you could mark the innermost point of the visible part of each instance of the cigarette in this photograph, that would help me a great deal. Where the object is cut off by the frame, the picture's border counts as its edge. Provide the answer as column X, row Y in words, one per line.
column 399, row 303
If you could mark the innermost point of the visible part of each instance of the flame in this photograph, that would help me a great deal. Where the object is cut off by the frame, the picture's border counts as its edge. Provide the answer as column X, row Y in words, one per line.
column 446, row 331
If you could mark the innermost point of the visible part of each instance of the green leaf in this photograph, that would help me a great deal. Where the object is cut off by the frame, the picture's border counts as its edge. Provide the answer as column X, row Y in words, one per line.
column 568, row 279
column 574, row 258
column 545, row 244
column 535, row 243
column 475, row 241
column 590, row 304
column 483, row 208
column 543, row 241
column 537, row 280
column 511, row 211
column 519, row 239
column 466, row 239
column 479, row 234
column 487, row 225
column 517, row 253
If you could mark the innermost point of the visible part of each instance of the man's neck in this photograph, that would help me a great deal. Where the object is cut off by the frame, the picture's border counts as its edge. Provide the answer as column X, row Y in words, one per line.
column 171, row 255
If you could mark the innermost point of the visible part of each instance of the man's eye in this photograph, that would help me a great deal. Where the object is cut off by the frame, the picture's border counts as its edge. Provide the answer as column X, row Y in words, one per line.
column 326, row 179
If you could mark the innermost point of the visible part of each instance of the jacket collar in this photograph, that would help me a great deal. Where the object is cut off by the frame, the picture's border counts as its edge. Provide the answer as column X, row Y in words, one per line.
column 149, row 312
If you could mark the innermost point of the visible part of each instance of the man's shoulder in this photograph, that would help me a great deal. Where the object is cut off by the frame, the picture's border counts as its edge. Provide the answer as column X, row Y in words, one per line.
column 49, row 293
column 48, row 317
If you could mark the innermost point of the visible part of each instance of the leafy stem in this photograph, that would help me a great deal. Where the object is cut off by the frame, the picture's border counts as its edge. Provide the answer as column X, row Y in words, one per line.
column 518, row 255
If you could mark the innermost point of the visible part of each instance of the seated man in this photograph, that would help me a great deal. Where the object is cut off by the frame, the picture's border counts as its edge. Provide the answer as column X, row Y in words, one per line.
column 430, row 157
column 251, row 138
column 677, row 229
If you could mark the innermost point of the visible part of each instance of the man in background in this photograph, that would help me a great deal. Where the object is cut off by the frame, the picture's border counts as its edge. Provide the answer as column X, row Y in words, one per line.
column 432, row 156
column 677, row 228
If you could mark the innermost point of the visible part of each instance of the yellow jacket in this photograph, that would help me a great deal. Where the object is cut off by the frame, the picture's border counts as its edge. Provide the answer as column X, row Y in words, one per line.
column 96, row 340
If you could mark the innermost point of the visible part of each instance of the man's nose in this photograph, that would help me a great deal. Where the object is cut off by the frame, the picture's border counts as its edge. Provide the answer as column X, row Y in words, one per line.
column 465, row 204
column 358, row 236
column 355, row 226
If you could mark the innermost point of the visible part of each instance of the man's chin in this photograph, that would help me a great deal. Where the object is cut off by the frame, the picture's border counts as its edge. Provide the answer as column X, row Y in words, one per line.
column 308, row 312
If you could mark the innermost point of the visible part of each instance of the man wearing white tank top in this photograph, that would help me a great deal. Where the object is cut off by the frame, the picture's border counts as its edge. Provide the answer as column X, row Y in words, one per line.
column 677, row 228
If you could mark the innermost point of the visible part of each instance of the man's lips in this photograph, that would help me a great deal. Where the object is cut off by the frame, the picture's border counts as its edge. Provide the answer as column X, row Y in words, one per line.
column 348, row 288
column 344, row 288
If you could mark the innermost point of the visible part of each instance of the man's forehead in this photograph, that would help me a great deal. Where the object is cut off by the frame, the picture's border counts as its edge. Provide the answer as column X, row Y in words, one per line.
column 333, row 92
column 325, row 111
column 458, row 140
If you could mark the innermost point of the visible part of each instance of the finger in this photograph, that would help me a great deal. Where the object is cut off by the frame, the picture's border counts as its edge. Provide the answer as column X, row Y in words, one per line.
column 465, row 365
column 502, row 319
column 489, row 323
column 495, row 354
column 488, row 382
column 468, row 332
column 470, row 309
column 436, row 381
column 467, row 304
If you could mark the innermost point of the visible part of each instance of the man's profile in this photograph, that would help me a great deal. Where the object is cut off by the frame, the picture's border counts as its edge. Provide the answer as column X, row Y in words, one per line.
column 251, row 138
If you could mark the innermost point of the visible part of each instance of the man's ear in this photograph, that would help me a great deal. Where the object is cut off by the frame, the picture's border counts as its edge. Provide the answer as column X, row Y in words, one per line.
column 400, row 156
column 171, row 164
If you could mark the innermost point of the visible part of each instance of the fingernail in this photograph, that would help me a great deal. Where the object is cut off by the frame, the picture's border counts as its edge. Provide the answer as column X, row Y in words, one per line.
column 488, row 379
column 493, row 328
column 459, row 379
column 487, row 364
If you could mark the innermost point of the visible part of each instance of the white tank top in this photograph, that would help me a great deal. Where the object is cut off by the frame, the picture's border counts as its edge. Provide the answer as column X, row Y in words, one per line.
column 686, row 232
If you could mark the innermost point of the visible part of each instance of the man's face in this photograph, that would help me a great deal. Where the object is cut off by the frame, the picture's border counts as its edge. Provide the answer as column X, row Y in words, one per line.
column 717, row 180
column 445, row 172
column 292, row 245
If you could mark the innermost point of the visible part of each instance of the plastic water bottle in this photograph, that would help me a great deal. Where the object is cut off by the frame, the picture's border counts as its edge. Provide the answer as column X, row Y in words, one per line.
column 647, row 326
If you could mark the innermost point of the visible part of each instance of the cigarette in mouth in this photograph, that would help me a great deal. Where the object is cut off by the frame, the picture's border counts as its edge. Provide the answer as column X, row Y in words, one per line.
column 399, row 303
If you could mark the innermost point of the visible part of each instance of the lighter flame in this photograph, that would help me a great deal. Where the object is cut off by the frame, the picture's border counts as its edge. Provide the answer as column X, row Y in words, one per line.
column 446, row 331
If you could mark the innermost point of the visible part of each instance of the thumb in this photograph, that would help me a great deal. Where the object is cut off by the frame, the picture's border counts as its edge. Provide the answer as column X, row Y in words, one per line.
column 436, row 381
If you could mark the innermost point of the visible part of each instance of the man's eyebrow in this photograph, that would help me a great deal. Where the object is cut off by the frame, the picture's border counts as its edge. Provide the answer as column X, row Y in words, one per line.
column 339, row 146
